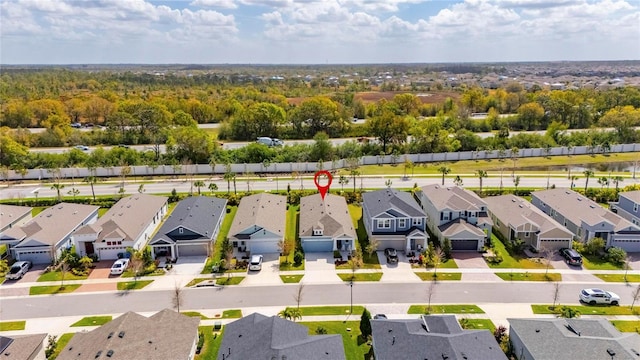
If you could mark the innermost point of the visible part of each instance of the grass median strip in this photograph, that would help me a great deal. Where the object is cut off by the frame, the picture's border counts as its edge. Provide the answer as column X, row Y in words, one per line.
column 51, row 290
column 229, row 280
column 445, row 309
column 355, row 348
column 376, row 276
column 133, row 285
column 92, row 321
column 428, row 276
column 627, row 325
column 291, row 279
column 594, row 262
column 12, row 325
column 619, row 277
column 477, row 324
column 329, row 310
column 196, row 281
column 586, row 310
column 57, row 276
column 526, row 276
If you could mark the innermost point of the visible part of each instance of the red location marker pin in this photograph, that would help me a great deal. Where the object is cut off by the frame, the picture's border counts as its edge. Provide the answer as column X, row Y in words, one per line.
column 323, row 189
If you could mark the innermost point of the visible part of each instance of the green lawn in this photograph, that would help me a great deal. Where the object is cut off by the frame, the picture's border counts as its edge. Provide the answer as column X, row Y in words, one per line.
column 428, row 276
column 512, row 262
column 361, row 276
column 12, row 325
column 57, row 276
column 291, row 237
column 369, row 262
column 587, row 309
column 627, row 325
column 212, row 342
column 478, row 324
column 157, row 272
column 329, row 310
column 355, row 348
column 593, row 262
column 63, row 340
column 445, row 309
column 102, row 211
column 619, row 277
column 93, row 321
column 449, row 264
column 133, row 285
column 196, row 281
column 51, row 290
column 525, row 276
column 229, row 280
column 195, row 314
column 217, row 248
column 291, row 279
column 232, row 314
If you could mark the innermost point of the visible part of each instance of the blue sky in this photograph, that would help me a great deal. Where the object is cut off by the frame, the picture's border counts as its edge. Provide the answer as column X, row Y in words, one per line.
column 316, row 31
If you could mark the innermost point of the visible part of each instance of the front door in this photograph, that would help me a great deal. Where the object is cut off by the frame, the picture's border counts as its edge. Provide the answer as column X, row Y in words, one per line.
column 339, row 244
column 88, row 248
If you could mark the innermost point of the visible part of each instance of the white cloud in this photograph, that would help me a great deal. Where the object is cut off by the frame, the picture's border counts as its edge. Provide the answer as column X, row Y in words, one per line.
column 223, row 4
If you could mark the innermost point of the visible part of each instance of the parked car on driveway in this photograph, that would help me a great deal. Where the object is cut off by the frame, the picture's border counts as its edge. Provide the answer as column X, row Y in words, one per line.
column 392, row 255
column 119, row 266
column 18, row 270
column 599, row 296
column 256, row 263
column 571, row 256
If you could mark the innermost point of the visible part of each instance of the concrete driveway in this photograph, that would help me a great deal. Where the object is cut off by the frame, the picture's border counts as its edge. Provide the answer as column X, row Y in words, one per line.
column 270, row 273
column 320, row 268
column 470, row 260
column 102, row 270
column 400, row 272
column 188, row 265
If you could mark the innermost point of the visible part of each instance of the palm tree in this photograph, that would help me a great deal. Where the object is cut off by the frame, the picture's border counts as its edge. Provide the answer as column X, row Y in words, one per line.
column 617, row 180
column 213, row 187
column 198, row 184
column 587, row 174
column 444, row 170
column 514, row 156
column 458, row 180
column 603, row 181
column 481, row 174
column 516, row 182
column 228, row 176
column 573, row 179
column 290, row 314
column 91, row 180
column 354, row 173
column 58, row 187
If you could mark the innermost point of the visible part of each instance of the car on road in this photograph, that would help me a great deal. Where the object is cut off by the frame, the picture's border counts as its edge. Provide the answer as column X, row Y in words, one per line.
column 379, row 316
column 82, row 147
column 392, row 255
column 599, row 296
column 256, row 263
column 76, row 125
column 269, row 141
column 571, row 256
column 119, row 266
column 18, row 270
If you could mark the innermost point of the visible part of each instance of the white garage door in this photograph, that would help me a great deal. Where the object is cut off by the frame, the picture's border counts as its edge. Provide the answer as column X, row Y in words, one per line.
column 110, row 253
column 36, row 257
column 192, row 250
column 263, row 247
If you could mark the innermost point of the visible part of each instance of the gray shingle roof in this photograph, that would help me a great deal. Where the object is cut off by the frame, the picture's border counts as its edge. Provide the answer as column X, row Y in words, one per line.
column 258, row 337
column 22, row 347
column 432, row 337
column 546, row 338
column 515, row 211
column 454, row 198
column 631, row 195
column 578, row 208
column 380, row 201
column 458, row 226
column 332, row 214
column 128, row 218
column 9, row 214
column 53, row 224
column 265, row 210
column 165, row 335
column 196, row 213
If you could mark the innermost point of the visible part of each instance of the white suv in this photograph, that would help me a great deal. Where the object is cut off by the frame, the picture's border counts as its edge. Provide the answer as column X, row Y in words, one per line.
column 18, row 270
column 598, row 296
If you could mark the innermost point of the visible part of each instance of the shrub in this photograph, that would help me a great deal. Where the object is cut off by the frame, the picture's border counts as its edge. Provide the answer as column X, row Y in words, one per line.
column 446, row 248
column 594, row 246
column 578, row 246
column 616, row 255
column 365, row 324
column 320, row 330
column 298, row 258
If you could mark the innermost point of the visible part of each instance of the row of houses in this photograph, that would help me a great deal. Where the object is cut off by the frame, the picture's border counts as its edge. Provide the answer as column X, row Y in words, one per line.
column 396, row 219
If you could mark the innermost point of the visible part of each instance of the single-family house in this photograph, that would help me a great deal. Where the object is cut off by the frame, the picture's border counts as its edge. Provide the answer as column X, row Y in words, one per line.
column 22, row 347
column 166, row 335
column 258, row 337
column 325, row 224
column 394, row 219
column 516, row 218
column 191, row 228
column 456, row 214
column 12, row 215
column 129, row 223
column 560, row 338
column 586, row 219
column 259, row 224
column 43, row 239
column 628, row 206
column 431, row 337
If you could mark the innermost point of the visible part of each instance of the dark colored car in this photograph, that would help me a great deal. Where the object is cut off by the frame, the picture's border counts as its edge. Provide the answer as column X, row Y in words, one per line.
column 380, row 316
column 571, row 256
column 392, row 255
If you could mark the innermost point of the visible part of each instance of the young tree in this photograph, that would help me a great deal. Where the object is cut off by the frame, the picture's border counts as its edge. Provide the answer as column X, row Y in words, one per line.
column 556, row 294
column 587, row 174
column 290, row 314
column 438, row 256
column 73, row 192
column 457, row 181
column 52, row 343
column 177, row 298
column 372, row 247
column 91, row 180
column 198, row 184
column 444, row 171
column 516, row 183
column 57, row 187
column 141, row 189
column 365, row 324
column 481, row 175
column 635, row 295
column 298, row 295
column 228, row 176
column 285, row 247
column 515, row 152
column 616, row 181
column 213, row 187
column 431, row 289
column 343, row 181
column 446, row 249
column 547, row 255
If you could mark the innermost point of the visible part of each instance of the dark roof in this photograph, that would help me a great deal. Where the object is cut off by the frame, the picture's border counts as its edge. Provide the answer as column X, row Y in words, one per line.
column 581, row 338
column 381, row 201
column 199, row 214
column 21, row 347
column 432, row 337
column 165, row 335
column 258, row 337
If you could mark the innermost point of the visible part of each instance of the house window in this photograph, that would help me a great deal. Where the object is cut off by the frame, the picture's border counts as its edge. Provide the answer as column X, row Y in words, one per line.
column 417, row 221
column 635, row 207
column 526, row 234
column 317, row 232
column 384, row 224
column 180, row 230
column 445, row 215
column 402, row 223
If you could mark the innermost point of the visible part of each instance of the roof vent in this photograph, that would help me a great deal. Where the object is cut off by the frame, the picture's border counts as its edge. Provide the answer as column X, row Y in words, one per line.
column 110, row 353
column 98, row 354
column 611, row 352
column 110, row 335
column 121, row 334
